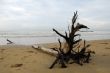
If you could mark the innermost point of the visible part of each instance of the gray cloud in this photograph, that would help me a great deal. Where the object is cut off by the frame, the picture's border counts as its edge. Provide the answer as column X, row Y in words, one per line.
column 46, row 14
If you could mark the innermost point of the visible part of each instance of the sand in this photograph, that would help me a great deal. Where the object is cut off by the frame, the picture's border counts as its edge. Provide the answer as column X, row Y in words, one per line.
column 25, row 59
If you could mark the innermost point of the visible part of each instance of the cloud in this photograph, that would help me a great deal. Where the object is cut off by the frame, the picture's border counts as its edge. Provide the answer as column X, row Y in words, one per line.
column 46, row 14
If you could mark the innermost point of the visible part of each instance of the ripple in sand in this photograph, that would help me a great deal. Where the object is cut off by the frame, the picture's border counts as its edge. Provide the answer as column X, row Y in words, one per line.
column 104, row 55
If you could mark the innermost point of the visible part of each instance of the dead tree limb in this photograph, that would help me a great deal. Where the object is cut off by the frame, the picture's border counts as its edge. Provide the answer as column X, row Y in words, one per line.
column 78, row 56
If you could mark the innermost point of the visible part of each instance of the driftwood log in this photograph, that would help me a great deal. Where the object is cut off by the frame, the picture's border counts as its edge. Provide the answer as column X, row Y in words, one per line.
column 45, row 50
column 78, row 57
column 63, row 58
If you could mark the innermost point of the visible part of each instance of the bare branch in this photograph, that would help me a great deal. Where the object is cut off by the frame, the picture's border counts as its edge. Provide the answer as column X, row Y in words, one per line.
column 59, row 42
column 74, row 20
column 68, row 29
column 79, row 26
column 75, row 35
column 66, row 34
column 59, row 33
column 77, row 41
column 61, row 50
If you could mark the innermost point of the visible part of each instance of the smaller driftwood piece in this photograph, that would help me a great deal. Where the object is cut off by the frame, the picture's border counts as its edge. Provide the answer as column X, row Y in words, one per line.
column 9, row 41
column 45, row 50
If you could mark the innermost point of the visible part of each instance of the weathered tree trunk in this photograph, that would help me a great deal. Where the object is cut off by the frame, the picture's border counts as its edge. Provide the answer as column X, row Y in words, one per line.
column 70, row 42
column 69, row 37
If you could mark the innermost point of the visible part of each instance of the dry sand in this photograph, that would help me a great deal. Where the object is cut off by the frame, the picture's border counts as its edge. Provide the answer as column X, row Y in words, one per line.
column 25, row 59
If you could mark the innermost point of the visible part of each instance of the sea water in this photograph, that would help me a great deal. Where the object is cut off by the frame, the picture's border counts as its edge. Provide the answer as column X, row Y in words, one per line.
column 31, row 38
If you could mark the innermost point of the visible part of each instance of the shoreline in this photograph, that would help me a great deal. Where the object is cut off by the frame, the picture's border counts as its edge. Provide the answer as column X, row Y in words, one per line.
column 48, row 43
column 25, row 59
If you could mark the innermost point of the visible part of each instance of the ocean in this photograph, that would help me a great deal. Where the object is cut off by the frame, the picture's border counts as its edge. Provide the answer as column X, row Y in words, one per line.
column 41, row 37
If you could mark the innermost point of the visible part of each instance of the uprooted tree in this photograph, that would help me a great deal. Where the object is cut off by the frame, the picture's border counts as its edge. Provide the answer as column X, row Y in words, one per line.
column 81, row 56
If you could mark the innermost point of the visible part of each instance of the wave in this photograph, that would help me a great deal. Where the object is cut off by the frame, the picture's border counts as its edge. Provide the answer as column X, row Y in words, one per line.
column 47, row 37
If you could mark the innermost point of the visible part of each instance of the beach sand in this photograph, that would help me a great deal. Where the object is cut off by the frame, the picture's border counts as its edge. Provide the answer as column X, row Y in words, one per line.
column 25, row 59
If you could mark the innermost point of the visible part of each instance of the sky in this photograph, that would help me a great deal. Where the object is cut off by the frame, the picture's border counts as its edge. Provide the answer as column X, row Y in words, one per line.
column 34, row 15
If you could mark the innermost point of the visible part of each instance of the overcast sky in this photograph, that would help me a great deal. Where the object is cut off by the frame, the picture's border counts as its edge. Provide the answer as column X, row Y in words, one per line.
column 33, row 15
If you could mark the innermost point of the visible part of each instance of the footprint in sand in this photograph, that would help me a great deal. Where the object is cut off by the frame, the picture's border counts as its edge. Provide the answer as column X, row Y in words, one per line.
column 1, row 58
column 104, row 43
column 32, row 52
column 16, row 65
column 2, row 50
column 104, row 55
column 107, row 48
column 24, row 57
